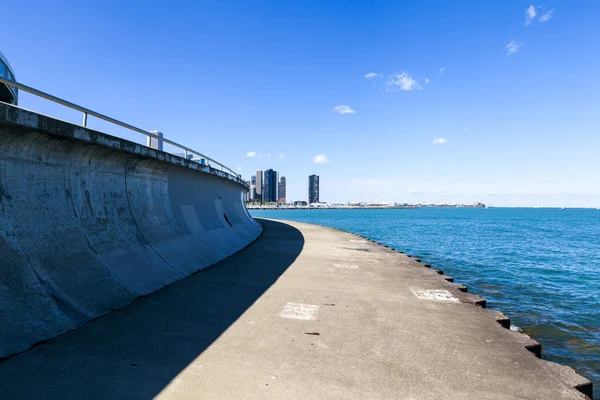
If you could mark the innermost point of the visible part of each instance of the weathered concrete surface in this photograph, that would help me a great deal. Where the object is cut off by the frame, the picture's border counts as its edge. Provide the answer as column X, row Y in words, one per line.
column 230, row 332
column 90, row 222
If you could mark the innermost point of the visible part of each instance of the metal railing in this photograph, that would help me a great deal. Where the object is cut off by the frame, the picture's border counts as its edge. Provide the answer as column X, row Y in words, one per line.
column 187, row 151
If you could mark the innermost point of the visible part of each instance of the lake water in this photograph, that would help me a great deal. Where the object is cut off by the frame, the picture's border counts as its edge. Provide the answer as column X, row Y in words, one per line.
column 541, row 267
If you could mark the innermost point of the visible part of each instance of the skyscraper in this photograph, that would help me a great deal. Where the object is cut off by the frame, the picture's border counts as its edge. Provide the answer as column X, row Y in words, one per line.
column 282, row 183
column 270, row 186
column 253, row 187
column 313, row 189
column 259, row 186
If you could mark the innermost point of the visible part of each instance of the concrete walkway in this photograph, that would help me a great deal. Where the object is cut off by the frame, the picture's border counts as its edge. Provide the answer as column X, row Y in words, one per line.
column 305, row 312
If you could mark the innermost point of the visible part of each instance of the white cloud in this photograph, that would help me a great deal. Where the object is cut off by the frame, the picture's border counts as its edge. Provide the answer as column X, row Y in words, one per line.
column 320, row 159
column 440, row 140
column 427, row 80
column 372, row 75
column 269, row 155
column 442, row 70
column 250, row 154
column 403, row 81
column 512, row 47
column 280, row 156
column 530, row 14
column 546, row 17
column 342, row 109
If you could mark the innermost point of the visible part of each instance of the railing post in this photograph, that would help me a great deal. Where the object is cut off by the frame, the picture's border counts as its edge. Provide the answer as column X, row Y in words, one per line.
column 155, row 142
column 85, row 119
column 185, row 154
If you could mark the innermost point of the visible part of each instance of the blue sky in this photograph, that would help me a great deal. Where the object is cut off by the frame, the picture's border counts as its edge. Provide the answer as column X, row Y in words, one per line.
column 511, row 92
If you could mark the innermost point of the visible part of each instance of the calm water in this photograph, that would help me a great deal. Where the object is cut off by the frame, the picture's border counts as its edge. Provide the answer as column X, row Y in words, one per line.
column 541, row 267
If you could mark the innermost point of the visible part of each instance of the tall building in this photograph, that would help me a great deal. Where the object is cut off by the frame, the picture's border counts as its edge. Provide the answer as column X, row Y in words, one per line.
column 313, row 189
column 270, row 186
column 259, row 186
column 277, row 185
column 253, row 187
column 282, row 183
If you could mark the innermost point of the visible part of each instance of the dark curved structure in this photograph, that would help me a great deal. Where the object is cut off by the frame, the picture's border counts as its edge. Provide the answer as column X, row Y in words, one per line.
column 8, row 94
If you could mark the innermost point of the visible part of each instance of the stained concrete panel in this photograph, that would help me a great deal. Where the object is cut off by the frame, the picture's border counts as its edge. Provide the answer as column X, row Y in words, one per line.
column 89, row 222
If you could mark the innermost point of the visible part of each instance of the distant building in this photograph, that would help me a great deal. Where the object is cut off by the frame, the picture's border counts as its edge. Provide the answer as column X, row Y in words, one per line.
column 300, row 203
column 253, row 188
column 282, row 184
column 313, row 189
column 271, row 186
column 258, row 196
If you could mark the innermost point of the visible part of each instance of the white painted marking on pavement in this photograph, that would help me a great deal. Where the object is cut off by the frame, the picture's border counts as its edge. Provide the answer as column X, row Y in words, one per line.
column 345, row 266
column 439, row 295
column 358, row 241
column 306, row 312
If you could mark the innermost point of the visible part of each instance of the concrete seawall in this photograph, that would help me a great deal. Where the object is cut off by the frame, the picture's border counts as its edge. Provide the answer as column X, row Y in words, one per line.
column 90, row 222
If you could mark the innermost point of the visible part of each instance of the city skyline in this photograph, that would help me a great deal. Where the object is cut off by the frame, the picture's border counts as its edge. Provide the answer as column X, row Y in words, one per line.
column 267, row 187
column 387, row 101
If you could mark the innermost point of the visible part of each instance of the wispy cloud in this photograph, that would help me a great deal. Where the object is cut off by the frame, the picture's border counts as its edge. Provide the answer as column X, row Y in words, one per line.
column 546, row 16
column 402, row 81
column 442, row 70
column 512, row 47
column 372, row 75
column 440, row 140
column 320, row 159
column 280, row 156
column 342, row 109
column 530, row 14
column 427, row 80
column 251, row 154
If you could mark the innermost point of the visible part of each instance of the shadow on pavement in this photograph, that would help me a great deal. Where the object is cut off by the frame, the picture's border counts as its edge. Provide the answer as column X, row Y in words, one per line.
column 135, row 352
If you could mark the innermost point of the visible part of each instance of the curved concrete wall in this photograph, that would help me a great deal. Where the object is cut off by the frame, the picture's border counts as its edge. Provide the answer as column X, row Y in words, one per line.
column 90, row 222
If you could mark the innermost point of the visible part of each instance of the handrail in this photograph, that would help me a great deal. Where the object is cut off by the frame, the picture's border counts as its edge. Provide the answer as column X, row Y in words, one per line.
column 87, row 112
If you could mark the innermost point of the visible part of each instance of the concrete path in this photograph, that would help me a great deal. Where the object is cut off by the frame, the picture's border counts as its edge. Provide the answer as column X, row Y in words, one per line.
column 305, row 312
